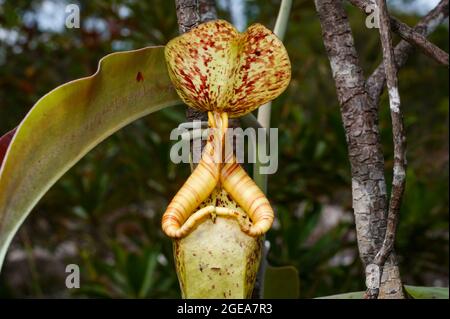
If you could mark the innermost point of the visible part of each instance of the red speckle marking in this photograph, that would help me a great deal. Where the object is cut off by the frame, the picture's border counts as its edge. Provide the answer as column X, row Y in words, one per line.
column 207, row 60
column 139, row 77
column 4, row 143
column 187, row 81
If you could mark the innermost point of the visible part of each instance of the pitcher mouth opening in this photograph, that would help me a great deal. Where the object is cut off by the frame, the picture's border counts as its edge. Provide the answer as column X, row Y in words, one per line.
column 220, row 170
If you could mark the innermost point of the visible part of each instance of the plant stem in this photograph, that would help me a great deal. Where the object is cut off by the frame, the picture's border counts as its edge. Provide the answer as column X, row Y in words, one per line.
column 265, row 110
column 279, row 30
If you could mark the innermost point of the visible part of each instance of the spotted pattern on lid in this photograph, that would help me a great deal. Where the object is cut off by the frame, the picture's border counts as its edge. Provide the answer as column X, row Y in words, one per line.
column 216, row 68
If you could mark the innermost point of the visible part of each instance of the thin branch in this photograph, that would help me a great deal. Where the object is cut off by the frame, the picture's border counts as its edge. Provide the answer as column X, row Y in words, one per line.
column 360, row 120
column 399, row 177
column 279, row 30
column 375, row 83
column 264, row 112
column 408, row 34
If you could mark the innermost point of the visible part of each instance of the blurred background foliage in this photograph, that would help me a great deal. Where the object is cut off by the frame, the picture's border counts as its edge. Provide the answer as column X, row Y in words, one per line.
column 104, row 215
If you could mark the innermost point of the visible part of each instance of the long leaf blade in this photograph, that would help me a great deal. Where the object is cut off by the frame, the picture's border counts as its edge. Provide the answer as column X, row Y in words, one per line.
column 72, row 119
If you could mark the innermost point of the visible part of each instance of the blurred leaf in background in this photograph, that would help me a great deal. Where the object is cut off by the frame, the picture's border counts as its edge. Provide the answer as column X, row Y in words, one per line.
column 281, row 283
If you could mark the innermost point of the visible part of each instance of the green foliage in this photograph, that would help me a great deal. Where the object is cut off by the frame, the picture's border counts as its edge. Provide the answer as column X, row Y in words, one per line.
column 427, row 292
column 70, row 120
column 281, row 283
column 116, row 195
column 349, row 295
column 414, row 292
column 128, row 275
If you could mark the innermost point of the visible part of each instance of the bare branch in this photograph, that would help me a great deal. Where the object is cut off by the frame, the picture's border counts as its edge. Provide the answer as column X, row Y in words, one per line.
column 398, row 183
column 360, row 119
column 409, row 34
column 375, row 83
column 420, row 41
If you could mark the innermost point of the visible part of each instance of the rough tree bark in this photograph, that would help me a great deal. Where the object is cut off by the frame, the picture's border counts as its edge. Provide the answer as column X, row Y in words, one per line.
column 417, row 39
column 399, row 172
column 376, row 82
column 360, row 119
column 359, row 101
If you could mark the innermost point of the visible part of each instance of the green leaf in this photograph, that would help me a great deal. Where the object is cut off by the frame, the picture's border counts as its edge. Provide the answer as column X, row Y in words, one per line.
column 72, row 119
column 414, row 291
column 427, row 292
column 349, row 295
column 151, row 261
column 281, row 283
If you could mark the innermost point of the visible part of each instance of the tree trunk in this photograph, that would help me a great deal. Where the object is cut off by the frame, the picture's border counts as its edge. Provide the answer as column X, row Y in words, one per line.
column 189, row 16
column 360, row 119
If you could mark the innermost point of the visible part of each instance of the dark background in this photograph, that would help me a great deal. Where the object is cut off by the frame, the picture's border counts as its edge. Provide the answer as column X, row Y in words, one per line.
column 104, row 215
